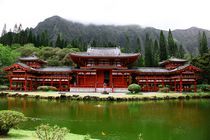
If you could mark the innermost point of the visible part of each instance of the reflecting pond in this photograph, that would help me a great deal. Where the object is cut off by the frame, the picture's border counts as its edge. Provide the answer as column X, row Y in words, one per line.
column 156, row 120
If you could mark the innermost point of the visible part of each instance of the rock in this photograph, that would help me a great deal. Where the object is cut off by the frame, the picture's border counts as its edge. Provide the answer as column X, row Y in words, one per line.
column 62, row 96
column 37, row 96
column 110, row 98
column 187, row 97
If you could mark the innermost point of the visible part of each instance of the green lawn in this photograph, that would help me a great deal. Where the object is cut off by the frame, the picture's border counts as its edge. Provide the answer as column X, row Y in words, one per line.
column 15, row 134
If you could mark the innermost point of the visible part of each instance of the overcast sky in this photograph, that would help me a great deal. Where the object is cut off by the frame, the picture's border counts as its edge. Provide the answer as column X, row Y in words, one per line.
column 161, row 14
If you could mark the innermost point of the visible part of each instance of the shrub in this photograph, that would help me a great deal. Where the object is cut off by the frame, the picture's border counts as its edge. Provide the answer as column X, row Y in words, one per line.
column 4, row 87
column 10, row 119
column 134, row 88
column 105, row 92
column 47, row 88
column 46, row 132
column 164, row 90
column 204, row 87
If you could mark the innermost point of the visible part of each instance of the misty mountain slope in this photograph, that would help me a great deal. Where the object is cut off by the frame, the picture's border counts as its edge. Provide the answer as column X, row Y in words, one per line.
column 116, row 34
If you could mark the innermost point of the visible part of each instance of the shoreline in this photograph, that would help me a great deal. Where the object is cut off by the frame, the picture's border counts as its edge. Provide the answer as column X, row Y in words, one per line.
column 105, row 97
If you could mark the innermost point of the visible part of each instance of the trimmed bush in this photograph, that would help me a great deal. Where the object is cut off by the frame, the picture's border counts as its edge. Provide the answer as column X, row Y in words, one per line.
column 4, row 87
column 10, row 119
column 164, row 90
column 47, row 88
column 47, row 132
column 105, row 92
column 134, row 88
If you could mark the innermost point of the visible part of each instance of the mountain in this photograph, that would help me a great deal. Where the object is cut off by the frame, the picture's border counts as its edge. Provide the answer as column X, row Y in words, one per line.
column 119, row 35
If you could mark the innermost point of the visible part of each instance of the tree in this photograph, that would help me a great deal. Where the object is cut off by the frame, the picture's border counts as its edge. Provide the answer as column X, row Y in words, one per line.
column 140, row 61
column 148, row 51
column 163, row 49
column 203, row 45
column 181, row 51
column 15, row 30
column 7, row 56
column 4, row 30
column 171, row 45
column 127, row 44
column 155, row 53
column 203, row 62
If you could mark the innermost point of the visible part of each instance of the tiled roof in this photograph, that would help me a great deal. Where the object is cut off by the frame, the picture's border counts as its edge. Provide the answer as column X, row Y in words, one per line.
column 153, row 70
column 23, row 65
column 96, row 51
column 54, row 69
column 29, row 58
column 172, row 60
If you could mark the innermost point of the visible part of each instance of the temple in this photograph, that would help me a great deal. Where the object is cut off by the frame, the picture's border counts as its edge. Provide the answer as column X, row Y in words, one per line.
column 101, row 69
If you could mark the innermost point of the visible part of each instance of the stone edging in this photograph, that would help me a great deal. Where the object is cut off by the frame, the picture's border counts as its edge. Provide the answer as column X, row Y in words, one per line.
column 107, row 98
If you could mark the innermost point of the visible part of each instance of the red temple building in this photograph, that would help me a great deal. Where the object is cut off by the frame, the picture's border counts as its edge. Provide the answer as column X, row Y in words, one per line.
column 101, row 69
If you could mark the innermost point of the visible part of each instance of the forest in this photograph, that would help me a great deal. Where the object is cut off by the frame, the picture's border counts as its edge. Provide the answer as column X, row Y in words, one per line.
column 21, row 43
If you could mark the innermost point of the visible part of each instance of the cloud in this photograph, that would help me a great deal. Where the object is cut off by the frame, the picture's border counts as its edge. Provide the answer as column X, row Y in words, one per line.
column 162, row 14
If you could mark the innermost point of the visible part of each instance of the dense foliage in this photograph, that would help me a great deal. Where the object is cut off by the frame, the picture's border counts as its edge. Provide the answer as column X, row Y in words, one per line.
column 203, row 62
column 10, row 119
column 47, row 132
column 134, row 88
column 203, row 87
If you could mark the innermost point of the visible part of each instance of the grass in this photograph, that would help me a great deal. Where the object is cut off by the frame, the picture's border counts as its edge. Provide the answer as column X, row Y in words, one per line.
column 18, row 134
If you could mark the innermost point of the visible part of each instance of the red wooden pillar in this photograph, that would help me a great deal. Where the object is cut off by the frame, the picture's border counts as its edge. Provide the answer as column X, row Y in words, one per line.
column 147, row 87
column 43, row 81
column 25, row 84
column 175, row 85
column 16, row 86
column 96, row 81
column 31, row 85
column 68, row 83
column 10, row 83
column 59, row 84
column 195, row 86
column 111, row 83
column 180, row 84
column 51, row 82
column 84, row 77
column 122, row 78
column 155, row 84
column 163, row 85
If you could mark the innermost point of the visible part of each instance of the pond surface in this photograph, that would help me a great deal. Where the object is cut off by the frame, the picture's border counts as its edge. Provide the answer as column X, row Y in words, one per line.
column 156, row 120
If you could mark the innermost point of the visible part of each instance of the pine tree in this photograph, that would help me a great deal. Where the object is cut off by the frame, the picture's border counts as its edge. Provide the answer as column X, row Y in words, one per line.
column 140, row 61
column 19, row 28
column 156, row 53
column 4, row 30
column 204, row 43
column 148, row 52
column 163, row 49
column 203, row 46
column 127, row 44
column 172, row 48
column 175, row 50
column 181, row 52
column 30, row 36
column 15, row 30
column 58, row 42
